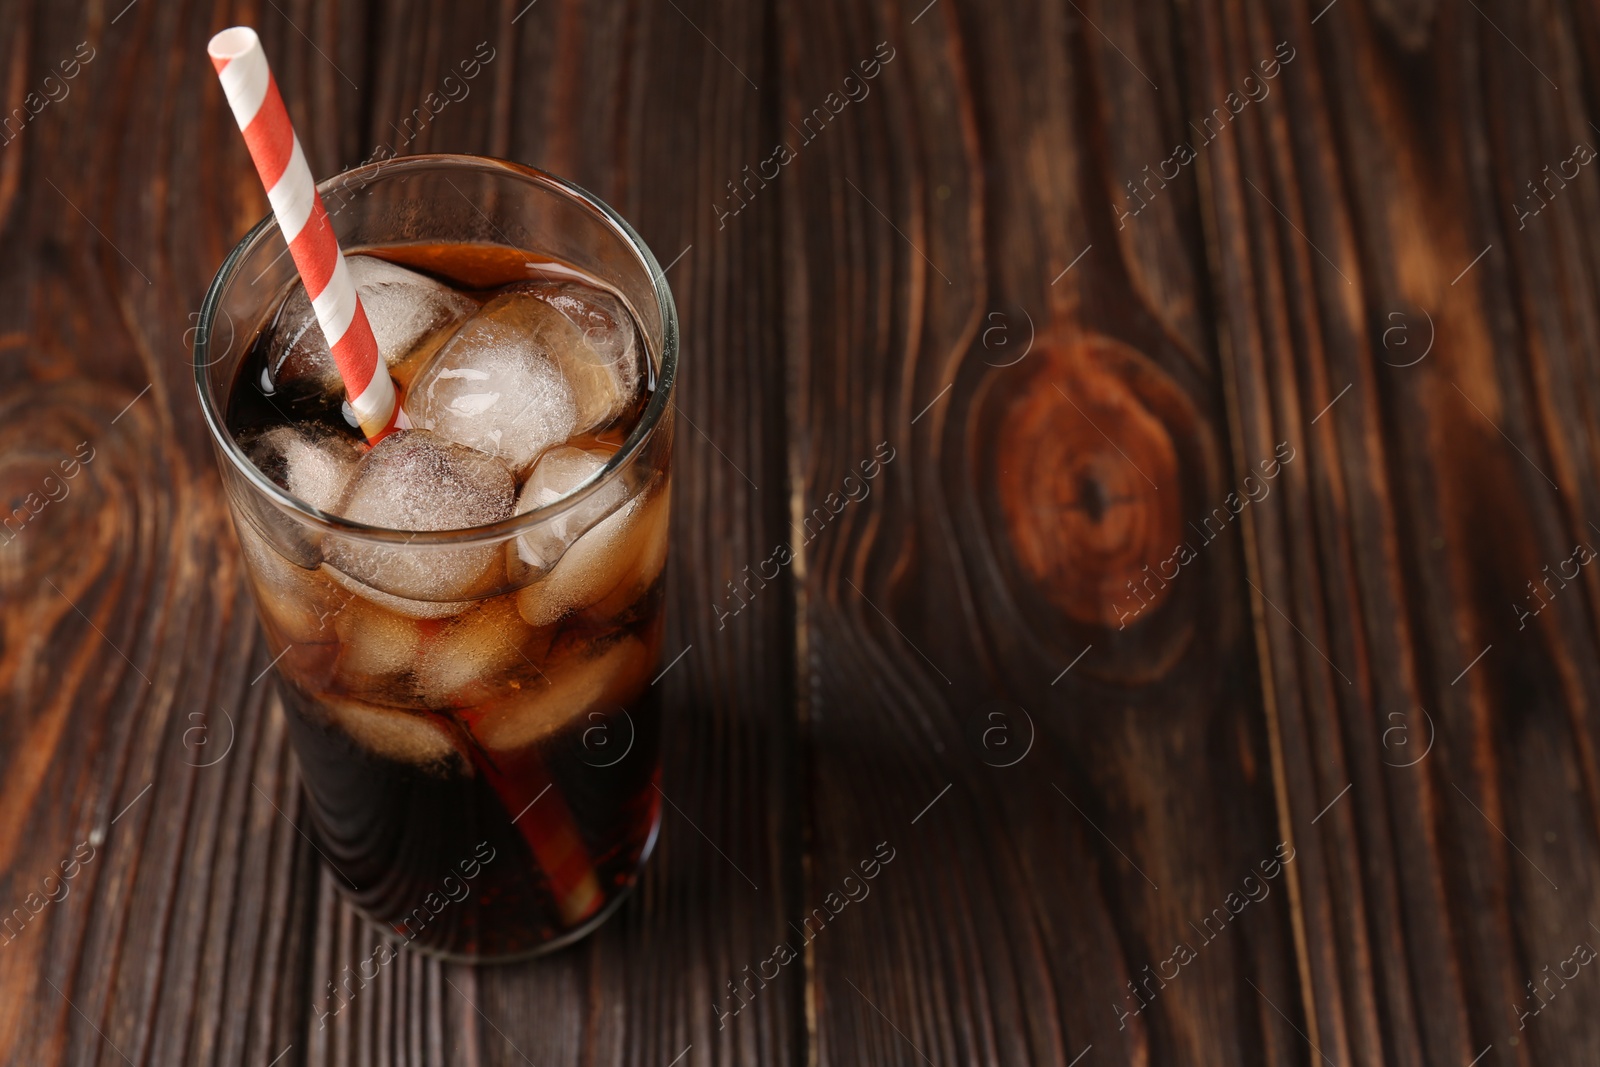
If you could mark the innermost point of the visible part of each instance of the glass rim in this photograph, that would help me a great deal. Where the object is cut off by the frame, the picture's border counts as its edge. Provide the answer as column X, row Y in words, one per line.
column 360, row 177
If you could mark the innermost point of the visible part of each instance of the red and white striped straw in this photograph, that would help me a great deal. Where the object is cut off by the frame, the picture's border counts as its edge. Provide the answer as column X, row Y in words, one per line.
column 253, row 94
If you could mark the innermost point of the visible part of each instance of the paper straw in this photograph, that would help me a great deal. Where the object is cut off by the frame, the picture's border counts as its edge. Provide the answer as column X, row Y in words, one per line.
column 548, row 826
column 253, row 94
column 241, row 65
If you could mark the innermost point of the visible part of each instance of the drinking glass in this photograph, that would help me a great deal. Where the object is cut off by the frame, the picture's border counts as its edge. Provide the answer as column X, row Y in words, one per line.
column 481, row 772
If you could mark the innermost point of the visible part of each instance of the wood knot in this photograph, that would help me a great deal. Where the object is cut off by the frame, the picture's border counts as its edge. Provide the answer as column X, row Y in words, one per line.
column 1089, row 478
column 68, row 484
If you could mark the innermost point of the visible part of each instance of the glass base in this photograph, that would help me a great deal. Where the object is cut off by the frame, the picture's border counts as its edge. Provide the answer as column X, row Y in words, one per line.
column 571, row 936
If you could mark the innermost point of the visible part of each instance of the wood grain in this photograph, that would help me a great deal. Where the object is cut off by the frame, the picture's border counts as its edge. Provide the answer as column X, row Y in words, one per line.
column 981, row 352
column 643, row 988
column 1390, row 569
column 1000, row 546
column 204, row 930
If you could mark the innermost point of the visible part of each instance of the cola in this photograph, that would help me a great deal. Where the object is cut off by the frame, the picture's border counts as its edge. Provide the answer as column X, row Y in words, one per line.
column 466, row 616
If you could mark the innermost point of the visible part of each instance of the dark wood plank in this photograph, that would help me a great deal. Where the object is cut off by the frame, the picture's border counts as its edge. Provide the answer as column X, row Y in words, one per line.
column 128, row 639
column 1347, row 221
column 1346, row 666
column 637, row 106
column 205, row 929
column 998, row 547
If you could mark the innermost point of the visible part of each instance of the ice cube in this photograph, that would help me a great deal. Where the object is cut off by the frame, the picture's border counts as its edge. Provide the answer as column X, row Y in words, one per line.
column 603, row 367
column 645, row 551
column 494, row 385
column 415, row 737
column 607, row 567
column 376, row 647
column 611, row 676
column 536, row 365
column 558, row 472
column 311, row 462
column 413, row 480
column 413, row 609
column 296, row 604
column 476, row 654
column 408, row 311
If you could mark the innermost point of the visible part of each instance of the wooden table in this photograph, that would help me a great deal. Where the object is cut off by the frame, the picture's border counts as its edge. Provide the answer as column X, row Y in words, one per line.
column 1214, row 656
